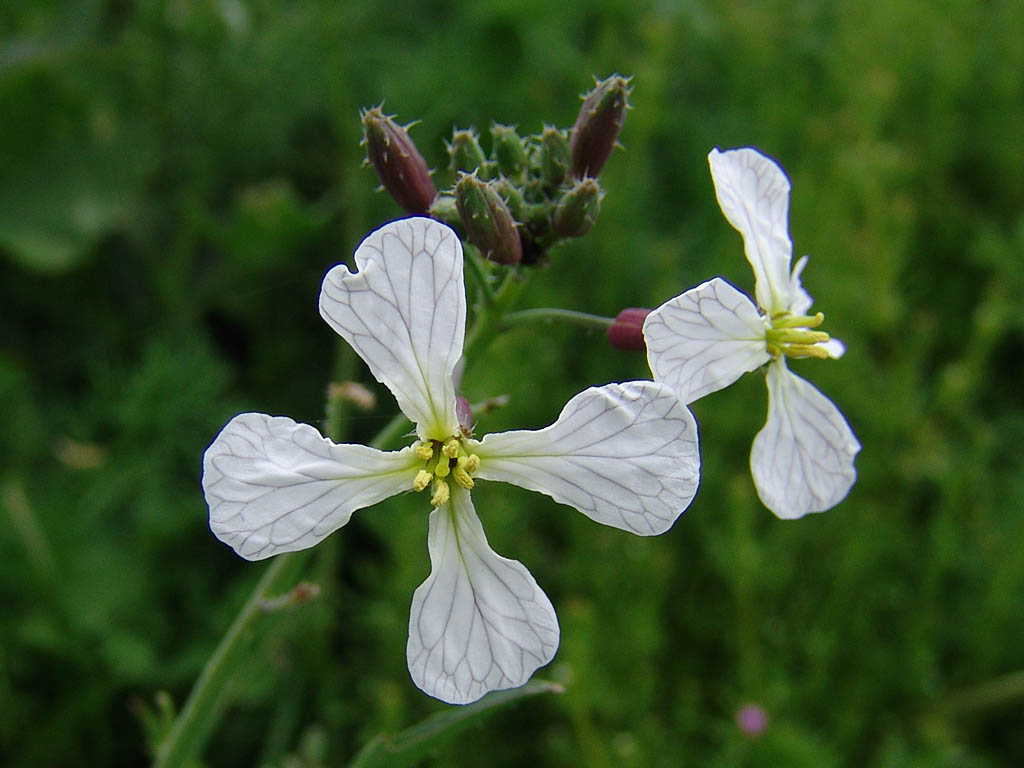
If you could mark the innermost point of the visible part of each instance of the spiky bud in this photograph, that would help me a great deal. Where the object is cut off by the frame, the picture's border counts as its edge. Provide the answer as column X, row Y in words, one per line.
column 577, row 209
column 554, row 155
column 627, row 330
column 598, row 125
column 465, row 154
column 400, row 166
column 509, row 150
column 513, row 197
column 444, row 209
column 487, row 220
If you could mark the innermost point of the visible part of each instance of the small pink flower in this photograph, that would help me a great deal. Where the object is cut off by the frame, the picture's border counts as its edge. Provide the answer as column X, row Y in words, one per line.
column 752, row 720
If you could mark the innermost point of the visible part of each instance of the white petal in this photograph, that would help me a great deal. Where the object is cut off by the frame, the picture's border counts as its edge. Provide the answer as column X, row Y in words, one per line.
column 802, row 460
column 274, row 485
column 404, row 312
column 835, row 348
column 753, row 192
column 705, row 339
column 625, row 455
column 479, row 622
column 800, row 300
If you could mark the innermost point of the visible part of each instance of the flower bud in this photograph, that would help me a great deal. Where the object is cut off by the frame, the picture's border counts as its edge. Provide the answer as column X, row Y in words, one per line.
column 512, row 196
column 509, row 150
column 444, row 209
column 488, row 223
column 400, row 166
column 554, row 155
column 465, row 154
column 464, row 411
column 577, row 210
column 627, row 330
column 598, row 125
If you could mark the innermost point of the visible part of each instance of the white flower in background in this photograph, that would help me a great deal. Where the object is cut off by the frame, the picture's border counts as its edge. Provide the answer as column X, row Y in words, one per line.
column 803, row 459
column 625, row 455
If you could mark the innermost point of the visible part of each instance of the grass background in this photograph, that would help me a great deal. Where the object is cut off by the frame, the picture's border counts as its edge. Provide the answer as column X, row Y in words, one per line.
column 175, row 178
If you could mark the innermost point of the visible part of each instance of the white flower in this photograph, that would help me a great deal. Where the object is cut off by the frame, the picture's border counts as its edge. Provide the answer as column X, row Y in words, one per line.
column 624, row 454
column 803, row 459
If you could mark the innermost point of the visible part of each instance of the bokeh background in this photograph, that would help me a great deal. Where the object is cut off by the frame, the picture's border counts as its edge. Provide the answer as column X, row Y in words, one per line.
column 176, row 177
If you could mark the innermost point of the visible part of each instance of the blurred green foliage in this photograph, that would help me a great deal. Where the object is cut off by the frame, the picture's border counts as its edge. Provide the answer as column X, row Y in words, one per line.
column 176, row 177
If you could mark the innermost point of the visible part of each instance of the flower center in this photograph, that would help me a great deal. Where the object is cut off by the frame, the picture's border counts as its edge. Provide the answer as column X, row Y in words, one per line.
column 444, row 460
column 790, row 335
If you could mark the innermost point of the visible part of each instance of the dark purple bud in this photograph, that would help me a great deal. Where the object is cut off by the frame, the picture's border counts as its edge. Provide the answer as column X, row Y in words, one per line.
column 400, row 166
column 627, row 330
column 486, row 218
column 598, row 125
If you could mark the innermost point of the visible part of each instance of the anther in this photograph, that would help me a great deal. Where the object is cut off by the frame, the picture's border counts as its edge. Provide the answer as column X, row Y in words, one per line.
column 422, row 480
column 425, row 451
column 470, row 463
column 786, row 320
column 807, row 350
column 441, row 493
column 461, row 476
column 451, row 448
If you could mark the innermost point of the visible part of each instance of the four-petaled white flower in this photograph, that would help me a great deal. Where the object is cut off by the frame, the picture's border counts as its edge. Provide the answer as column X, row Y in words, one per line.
column 803, row 459
column 623, row 454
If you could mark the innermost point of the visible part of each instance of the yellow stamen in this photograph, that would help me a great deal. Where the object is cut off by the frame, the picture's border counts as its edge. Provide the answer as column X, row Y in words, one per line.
column 798, row 321
column 470, row 463
column 422, row 480
column 441, row 493
column 425, row 451
column 807, row 350
column 795, row 336
column 462, row 477
column 451, row 448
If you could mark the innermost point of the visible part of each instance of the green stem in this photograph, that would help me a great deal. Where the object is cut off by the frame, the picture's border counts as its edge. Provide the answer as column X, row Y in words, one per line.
column 196, row 718
column 549, row 314
column 478, row 269
column 490, row 322
column 998, row 692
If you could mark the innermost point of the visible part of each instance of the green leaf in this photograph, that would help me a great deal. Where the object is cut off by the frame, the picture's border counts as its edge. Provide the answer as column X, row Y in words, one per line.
column 412, row 744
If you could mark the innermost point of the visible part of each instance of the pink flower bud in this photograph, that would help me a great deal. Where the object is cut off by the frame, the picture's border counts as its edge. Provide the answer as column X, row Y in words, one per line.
column 627, row 330
column 465, row 413
column 400, row 166
column 598, row 125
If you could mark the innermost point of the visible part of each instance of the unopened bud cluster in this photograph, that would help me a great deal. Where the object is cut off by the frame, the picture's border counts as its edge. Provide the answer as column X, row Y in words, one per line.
column 528, row 193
